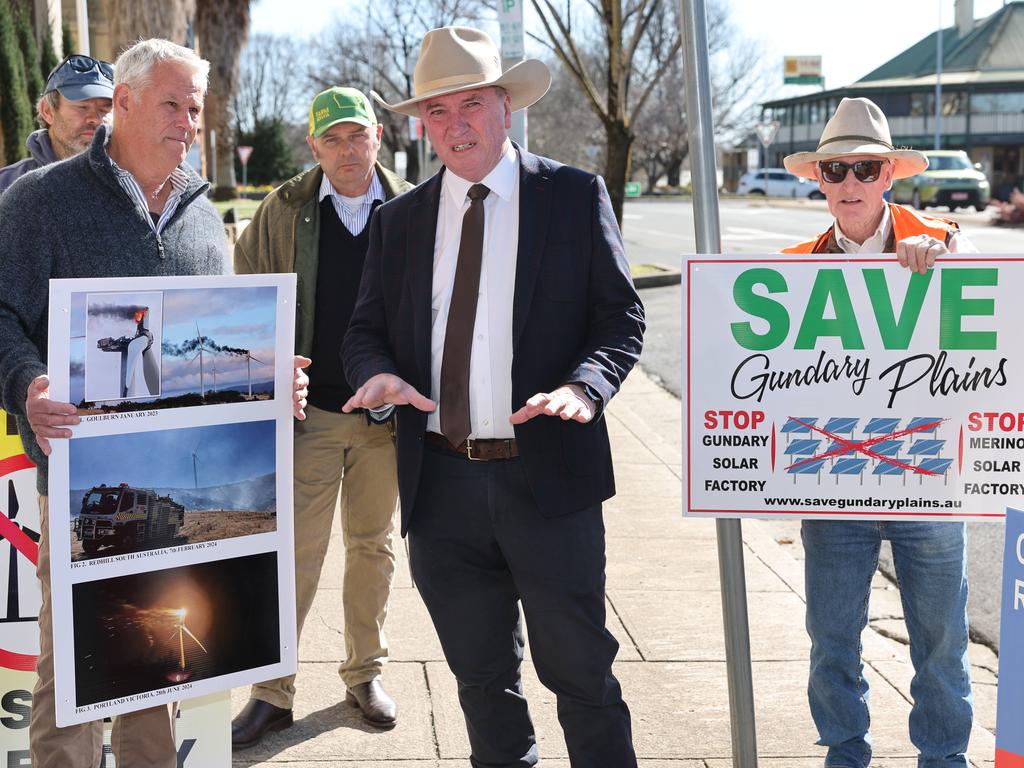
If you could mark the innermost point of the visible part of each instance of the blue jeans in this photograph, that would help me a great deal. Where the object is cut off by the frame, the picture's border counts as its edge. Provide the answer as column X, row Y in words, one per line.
column 931, row 568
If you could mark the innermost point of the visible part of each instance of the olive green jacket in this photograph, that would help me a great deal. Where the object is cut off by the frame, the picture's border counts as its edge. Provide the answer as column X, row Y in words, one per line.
column 284, row 236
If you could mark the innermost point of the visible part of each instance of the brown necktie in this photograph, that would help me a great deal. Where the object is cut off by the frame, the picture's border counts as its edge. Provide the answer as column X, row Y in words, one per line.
column 458, row 335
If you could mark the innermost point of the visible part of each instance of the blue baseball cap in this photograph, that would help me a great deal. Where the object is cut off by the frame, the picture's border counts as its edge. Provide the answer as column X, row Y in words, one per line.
column 81, row 77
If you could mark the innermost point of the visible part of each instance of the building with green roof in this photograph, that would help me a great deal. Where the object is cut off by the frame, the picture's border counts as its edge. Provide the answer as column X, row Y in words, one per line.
column 982, row 102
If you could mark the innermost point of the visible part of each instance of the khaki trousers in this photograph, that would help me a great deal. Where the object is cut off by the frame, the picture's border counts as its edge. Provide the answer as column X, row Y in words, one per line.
column 332, row 451
column 143, row 739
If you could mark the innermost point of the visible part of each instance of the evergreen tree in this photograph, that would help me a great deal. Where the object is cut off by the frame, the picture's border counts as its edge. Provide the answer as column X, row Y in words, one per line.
column 47, row 57
column 29, row 55
column 272, row 161
column 67, row 40
column 15, row 108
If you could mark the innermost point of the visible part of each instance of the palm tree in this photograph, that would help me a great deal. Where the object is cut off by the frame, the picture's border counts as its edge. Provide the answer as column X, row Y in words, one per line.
column 222, row 27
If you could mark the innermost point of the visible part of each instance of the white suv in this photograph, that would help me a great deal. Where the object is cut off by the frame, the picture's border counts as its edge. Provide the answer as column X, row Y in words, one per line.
column 778, row 182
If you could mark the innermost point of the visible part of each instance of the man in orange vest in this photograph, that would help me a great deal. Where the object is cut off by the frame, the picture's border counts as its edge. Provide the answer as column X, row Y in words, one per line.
column 854, row 164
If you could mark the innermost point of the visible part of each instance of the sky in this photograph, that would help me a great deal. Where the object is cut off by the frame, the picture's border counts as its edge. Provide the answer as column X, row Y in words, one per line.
column 850, row 42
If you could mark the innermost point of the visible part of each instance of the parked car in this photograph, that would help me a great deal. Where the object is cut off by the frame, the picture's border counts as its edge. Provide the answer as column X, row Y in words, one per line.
column 780, row 182
column 950, row 179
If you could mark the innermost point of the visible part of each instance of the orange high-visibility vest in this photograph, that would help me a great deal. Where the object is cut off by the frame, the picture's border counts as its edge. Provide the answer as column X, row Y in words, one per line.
column 905, row 223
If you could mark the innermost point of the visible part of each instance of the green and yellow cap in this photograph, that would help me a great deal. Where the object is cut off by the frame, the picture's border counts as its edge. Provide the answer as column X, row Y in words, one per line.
column 339, row 105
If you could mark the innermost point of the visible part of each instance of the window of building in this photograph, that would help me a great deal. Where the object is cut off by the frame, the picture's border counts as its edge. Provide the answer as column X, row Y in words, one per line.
column 997, row 101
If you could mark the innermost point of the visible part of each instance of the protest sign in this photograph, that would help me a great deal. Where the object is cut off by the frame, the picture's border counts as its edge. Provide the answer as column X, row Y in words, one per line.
column 851, row 388
column 170, row 508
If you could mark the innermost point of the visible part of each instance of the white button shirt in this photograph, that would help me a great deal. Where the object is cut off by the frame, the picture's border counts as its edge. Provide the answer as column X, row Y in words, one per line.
column 490, row 367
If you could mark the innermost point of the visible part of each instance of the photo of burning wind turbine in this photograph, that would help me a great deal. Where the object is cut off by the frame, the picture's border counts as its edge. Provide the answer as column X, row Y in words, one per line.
column 148, row 631
column 123, row 346
column 140, row 376
column 174, row 348
column 181, row 674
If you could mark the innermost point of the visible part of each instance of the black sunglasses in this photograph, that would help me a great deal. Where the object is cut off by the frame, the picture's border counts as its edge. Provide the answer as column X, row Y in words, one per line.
column 867, row 171
column 82, row 63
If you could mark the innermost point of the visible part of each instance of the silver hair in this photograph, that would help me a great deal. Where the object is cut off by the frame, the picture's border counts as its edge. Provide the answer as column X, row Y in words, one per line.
column 53, row 100
column 133, row 66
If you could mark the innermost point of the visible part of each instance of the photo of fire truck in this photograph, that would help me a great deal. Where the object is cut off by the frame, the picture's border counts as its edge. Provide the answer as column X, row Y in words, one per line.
column 126, row 518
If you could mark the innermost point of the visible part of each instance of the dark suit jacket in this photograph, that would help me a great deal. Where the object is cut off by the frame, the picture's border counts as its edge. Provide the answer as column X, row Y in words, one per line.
column 576, row 318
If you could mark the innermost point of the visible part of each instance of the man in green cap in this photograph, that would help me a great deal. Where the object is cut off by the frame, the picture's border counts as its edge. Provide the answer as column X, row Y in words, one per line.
column 317, row 225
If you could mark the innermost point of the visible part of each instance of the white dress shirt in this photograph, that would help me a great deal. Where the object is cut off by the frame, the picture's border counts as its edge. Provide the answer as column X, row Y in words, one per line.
column 353, row 211
column 490, row 367
column 876, row 243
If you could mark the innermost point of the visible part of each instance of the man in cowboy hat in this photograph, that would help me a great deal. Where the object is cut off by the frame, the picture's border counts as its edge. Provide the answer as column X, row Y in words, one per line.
column 497, row 312
column 855, row 164
column 317, row 224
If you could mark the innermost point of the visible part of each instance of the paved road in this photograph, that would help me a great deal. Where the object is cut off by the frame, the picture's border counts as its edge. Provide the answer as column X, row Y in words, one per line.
column 662, row 231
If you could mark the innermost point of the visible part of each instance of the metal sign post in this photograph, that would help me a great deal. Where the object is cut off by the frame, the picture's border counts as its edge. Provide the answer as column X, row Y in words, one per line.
column 766, row 132
column 693, row 21
column 244, row 153
column 510, row 21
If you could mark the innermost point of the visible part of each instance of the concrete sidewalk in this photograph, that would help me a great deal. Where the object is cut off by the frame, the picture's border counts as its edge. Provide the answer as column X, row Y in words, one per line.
column 664, row 608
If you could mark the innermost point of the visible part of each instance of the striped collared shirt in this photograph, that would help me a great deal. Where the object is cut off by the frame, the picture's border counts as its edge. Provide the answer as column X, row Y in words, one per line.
column 353, row 212
column 178, row 181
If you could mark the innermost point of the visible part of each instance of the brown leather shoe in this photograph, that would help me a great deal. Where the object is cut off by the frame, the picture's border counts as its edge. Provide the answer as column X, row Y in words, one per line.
column 377, row 707
column 255, row 720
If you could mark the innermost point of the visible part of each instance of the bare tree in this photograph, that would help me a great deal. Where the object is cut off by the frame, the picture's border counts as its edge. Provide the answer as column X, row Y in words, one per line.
column 267, row 89
column 380, row 52
column 738, row 78
column 222, row 27
column 639, row 39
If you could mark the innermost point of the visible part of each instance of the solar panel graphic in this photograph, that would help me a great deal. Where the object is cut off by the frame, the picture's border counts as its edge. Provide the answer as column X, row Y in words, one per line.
column 803, row 447
column 841, row 425
column 881, row 425
column 794, row 426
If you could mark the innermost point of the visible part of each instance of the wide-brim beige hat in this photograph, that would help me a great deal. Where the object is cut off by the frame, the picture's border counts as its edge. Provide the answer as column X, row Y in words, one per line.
column 857, row 128
column 454, row 59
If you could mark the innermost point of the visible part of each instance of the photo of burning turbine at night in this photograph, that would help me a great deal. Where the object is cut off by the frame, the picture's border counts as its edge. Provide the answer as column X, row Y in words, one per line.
column 172, row 348
column 149, row 631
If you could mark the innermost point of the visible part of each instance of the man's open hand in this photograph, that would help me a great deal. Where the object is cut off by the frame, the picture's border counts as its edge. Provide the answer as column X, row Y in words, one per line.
column 567, row 402
column 387, row 389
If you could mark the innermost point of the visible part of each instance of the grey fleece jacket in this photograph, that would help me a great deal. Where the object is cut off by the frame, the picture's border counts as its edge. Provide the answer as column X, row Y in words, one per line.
column 40, row 153
column 73, row 220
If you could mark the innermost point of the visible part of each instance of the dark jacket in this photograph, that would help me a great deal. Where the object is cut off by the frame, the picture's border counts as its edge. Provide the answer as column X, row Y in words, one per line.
column 576, row 317
column 72, row 220
column 40, row 154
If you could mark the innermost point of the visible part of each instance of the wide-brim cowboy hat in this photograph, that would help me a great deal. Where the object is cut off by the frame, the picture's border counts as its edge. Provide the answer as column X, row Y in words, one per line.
column 857, row 128
column 454, row 59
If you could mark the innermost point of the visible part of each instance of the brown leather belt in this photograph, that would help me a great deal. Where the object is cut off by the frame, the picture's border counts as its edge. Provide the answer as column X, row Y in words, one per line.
column 475, row 450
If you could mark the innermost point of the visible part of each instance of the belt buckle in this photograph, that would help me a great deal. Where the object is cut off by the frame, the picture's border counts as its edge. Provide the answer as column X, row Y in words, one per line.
column 469, row 451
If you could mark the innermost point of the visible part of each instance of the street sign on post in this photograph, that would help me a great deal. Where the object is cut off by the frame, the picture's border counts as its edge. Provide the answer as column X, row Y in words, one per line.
column 513, row 49
column 699, row 111
column 244, row 153
column 632, row 189
column 1010, row 703
column 766, row 132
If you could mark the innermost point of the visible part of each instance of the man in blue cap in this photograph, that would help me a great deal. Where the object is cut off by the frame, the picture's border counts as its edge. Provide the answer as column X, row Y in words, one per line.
column 77, row 98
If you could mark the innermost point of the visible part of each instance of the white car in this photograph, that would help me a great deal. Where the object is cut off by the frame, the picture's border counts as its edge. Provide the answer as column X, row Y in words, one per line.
column 778, row 182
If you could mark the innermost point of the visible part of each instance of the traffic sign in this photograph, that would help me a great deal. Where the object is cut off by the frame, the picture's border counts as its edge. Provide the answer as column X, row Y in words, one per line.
column 767, row 131
column 632, row 189
column 243, row 154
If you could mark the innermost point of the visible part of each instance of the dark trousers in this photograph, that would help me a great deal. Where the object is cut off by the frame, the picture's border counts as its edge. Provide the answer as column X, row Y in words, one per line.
column 477, row 545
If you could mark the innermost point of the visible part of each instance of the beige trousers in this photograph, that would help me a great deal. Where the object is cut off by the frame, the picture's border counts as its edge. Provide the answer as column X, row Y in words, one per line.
column 143, row 739
column 335, row 450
